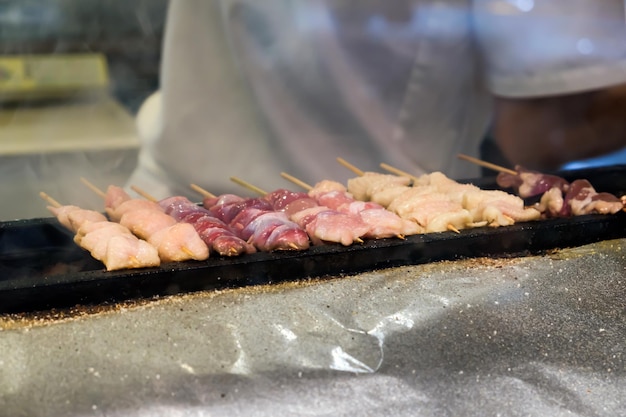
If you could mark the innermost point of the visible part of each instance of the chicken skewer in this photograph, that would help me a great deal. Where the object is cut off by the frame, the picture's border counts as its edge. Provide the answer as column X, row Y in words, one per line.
column 218, row 236
column 321, row 223
column 432, row 210
column 559, row 197
column 108, row 242
column 174, row 241
column 433, row 197
column 382, row 222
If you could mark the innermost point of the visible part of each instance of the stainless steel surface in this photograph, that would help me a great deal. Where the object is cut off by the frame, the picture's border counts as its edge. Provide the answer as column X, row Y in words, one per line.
column 531, row 336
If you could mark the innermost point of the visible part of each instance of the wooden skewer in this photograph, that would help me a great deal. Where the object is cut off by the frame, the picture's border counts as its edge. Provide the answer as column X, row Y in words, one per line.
column 248, row 186
column 296, row 181
column 351, row 167
column 201, row 191
column 397, row 171
column 143, row 193
column 93, row 187
column 49, row 199
column 454, row 229
column 486, row 164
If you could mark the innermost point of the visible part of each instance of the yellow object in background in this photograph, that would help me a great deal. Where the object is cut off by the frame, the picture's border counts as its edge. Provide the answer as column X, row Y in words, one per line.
column 51, row 76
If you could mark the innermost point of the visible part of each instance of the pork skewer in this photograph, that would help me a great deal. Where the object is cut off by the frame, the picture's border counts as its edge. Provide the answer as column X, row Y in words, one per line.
column 174, row 241
column 218, row 236
column 108, row 242
column 255, row 221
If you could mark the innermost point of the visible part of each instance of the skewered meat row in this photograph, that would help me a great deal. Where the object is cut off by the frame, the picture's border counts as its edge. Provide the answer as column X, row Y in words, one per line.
column 438, row 203
column 213, row 231
column 382, row 222
column 146, row 219
column 528, row 183
column 255, row 221
column 322, row 223
column 580, row 198
column 110, row 243
column 559, row 198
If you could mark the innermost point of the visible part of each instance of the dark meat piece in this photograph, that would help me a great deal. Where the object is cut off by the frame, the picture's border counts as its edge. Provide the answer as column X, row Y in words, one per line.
column 213, row 231
column 529, row 183
column 582, row 198
column 255, row 221
column 228, row 212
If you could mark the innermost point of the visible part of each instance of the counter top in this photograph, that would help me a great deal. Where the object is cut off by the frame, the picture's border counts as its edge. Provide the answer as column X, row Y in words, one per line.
column 532, row 336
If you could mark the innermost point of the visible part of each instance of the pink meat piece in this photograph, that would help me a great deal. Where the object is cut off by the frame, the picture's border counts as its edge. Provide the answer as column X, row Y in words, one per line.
column 333, row 226
column 326, row 186
column 288, row 237
column 179, row 207
column 528, row 183
column 304, row 217
column 356, row 207
column 179, row 242
column 62, row 213
column 98, row 231
column 383, row 223
column 96, row 239
column 228, row 212
column 272, row 230
column 79, row 217
column 262, row 222
column 115, row 196
column 222, row 200
column 334, row 199
column 281, row 198
column 299, row 205
column 127, row 206
column 126, row 251
column 220, row 237
column 214, row 232
column 146, row 222
column 582, row 198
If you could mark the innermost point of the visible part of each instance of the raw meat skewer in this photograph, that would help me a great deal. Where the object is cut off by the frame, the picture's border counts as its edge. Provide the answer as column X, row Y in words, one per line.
column 110, row 243
column 215, row 233
column 175, row 241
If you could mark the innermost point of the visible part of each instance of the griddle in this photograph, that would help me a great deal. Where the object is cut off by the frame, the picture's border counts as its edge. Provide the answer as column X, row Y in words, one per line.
column 42, row 269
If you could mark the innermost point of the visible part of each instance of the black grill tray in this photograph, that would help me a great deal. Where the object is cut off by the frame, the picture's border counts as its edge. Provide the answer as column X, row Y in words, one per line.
column 42, row 269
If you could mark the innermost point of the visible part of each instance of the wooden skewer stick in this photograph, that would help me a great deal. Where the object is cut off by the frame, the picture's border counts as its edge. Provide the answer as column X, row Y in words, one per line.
column 93, row 187
column 248, row 186
column 397, row 171
column 486, row 164
column 296, row 181
column 453, row 229
column 351, row 167
column 143, row 193
column 49, row 199
column 201, row 191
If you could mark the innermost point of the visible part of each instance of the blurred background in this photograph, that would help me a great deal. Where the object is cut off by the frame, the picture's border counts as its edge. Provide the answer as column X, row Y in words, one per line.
column 73, row 74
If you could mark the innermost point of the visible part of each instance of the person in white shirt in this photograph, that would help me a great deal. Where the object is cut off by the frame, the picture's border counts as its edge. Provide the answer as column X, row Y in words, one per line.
column 252, row 88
